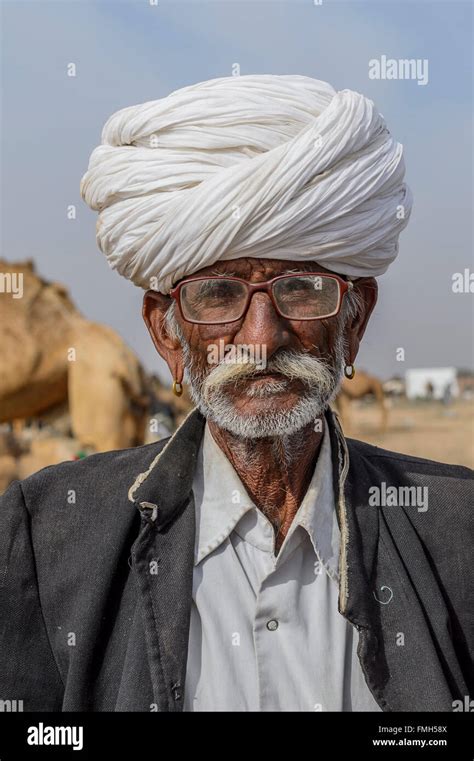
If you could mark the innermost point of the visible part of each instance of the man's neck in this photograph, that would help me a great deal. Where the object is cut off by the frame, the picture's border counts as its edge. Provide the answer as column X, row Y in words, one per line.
column 276, row 471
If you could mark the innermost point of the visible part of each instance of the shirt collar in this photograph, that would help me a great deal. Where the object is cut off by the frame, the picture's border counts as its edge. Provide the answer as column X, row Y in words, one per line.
column 221, row 501
column 219, row 495
column 317, row 513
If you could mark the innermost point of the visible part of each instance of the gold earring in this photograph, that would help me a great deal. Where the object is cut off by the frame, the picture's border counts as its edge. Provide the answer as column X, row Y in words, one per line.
column 177, row 388
column 349, row 371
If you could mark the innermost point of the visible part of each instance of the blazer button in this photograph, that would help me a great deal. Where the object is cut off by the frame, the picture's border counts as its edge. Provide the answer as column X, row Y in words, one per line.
column 177, row 693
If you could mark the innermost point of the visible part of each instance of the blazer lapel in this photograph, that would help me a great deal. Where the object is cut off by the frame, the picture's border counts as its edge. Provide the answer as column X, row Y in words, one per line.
column 163, row 555
column 387, row 592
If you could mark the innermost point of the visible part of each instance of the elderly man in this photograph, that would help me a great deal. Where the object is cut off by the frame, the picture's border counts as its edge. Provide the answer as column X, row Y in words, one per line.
column 256, row 560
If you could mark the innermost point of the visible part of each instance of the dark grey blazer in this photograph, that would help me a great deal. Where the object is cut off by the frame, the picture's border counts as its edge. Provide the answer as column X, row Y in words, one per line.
column 96, row 564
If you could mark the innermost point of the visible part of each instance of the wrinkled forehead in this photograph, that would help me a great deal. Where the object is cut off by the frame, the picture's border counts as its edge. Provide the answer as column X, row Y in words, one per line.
column 251, row 268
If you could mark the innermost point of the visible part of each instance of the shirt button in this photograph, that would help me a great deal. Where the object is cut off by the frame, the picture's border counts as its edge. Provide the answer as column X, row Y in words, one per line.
column 272, row 625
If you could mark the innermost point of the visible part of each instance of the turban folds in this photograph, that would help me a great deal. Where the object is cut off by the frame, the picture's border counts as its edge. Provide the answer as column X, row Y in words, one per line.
column 266, row 166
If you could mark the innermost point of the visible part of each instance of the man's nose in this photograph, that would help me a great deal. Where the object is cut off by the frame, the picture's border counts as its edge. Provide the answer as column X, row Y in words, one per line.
column 263, row 325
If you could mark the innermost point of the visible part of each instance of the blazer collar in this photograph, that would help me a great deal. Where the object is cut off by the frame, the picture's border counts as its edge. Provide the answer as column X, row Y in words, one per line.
column 161, row 490
column 359, row 526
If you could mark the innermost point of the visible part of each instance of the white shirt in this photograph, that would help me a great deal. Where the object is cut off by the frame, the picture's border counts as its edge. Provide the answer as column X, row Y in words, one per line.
column 265, row 632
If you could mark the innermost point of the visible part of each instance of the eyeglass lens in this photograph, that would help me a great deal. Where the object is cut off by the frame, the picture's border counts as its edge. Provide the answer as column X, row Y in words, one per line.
column 221, row 299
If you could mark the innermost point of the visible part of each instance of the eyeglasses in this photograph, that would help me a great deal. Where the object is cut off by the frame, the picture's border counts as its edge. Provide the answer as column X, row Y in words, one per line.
column 299, row 296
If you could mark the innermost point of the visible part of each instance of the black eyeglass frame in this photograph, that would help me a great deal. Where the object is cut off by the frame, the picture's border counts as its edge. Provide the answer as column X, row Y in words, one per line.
column 265, row 286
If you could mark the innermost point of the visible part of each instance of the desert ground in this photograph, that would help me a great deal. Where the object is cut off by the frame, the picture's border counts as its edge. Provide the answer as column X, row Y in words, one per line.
column 423, row 428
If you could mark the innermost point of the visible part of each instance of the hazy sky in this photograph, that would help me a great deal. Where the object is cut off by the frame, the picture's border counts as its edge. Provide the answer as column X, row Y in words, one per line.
column 129, row 52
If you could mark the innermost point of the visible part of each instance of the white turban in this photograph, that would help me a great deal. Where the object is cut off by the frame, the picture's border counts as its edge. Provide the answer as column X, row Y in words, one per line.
column 265, row 166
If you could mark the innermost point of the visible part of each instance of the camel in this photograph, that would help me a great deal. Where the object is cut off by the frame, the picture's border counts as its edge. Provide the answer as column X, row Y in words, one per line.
column 50, row 353
column 360, row 385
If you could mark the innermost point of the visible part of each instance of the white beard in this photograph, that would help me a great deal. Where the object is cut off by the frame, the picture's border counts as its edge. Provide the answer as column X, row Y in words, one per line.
column 209, row 391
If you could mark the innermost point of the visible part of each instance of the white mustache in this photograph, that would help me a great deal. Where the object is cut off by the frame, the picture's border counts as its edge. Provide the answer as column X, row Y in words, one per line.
column 292, row 365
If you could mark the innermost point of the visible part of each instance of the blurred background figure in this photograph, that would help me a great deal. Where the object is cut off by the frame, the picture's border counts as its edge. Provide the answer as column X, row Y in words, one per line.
column 427, row 413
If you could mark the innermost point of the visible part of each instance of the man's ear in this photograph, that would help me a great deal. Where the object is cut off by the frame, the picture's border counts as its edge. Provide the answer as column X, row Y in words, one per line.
column 367, row 290
column 155, row 307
